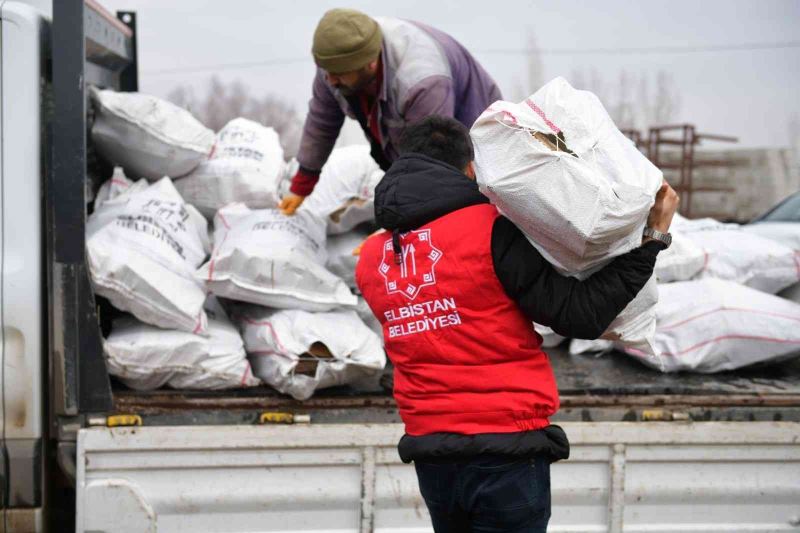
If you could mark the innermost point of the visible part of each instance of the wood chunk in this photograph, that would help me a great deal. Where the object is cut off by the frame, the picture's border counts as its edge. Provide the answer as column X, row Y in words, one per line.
column 336, row 216
column 307, row 364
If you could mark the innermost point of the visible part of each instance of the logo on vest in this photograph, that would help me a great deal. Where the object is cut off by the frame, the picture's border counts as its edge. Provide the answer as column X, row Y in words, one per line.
column 416, row 267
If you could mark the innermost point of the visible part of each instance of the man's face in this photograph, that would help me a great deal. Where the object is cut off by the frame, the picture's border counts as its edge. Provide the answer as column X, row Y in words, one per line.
column 353, row 82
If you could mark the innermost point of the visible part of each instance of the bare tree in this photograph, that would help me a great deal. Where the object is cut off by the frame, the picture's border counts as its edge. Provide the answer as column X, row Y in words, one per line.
column 666, row 100
column 794, row 147
column 794, row 131
column 222, row 103
column 534, row 71
column 535, row 68
column 630, row 102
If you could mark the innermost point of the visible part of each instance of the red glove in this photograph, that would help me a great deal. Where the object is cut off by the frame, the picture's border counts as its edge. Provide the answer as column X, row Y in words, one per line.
column 304, row 181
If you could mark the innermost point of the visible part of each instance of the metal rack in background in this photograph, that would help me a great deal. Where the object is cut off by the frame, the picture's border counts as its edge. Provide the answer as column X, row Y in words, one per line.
column 636, row 137
column 679, row 164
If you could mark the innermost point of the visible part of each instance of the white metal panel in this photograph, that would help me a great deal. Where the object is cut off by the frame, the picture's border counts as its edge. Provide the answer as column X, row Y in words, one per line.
column 633, row 477
column 21, row 48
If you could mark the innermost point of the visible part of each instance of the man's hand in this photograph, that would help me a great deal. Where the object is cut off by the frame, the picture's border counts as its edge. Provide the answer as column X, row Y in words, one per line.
column 290, row 203
column 661, row 213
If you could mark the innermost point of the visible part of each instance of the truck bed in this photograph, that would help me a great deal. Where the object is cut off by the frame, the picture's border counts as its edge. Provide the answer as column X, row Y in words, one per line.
column 611, row 387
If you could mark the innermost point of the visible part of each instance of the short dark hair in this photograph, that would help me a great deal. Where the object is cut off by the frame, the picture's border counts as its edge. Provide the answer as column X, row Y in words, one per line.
column 442, row 138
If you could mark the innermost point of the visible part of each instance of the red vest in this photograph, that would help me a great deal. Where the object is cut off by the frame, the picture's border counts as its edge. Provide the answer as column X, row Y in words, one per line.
column 466, row 358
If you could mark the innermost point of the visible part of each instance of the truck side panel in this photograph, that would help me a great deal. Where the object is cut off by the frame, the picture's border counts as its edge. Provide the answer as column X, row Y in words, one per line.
column 22, row 45
column 633, row 477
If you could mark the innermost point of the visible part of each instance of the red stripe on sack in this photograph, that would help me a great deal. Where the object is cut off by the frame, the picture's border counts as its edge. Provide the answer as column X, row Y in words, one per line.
column 120, row 182
column 247, row 371
column 640, row 353
column 214, row 257
column 738, row 309
column 274, row 335
column 797, row 262
column 705, row 261
column 199, row 323
column 726, row 337
column 509, row 115
column 222, row 218
column 539, row 112
column 213, row 149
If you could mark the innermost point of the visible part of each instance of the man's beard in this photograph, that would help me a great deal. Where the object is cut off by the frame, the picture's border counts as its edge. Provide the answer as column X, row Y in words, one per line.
column 361, row 85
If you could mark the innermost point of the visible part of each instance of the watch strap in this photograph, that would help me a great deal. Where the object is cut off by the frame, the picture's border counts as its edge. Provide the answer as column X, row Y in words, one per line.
column 665, row 238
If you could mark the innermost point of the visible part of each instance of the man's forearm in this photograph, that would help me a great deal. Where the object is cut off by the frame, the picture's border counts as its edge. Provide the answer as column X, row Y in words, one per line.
column 320, row 131
column 571, row 307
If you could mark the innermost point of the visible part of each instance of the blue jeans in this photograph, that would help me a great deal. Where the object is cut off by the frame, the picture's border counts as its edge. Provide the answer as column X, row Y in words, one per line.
column 487, row 494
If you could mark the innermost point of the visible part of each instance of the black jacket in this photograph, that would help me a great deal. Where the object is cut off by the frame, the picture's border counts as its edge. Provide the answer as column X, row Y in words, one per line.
column 418, row 189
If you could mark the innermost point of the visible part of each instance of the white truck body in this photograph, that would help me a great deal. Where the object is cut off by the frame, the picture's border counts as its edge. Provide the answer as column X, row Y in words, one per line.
column 201, row 463
column 636, row 477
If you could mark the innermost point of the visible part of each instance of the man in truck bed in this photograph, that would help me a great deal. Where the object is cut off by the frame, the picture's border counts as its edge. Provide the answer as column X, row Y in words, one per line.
column 385, row 73
column 455, row 287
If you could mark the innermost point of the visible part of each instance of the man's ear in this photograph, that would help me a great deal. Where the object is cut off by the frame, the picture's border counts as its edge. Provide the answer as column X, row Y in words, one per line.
column 469, row 170
column 373, row 65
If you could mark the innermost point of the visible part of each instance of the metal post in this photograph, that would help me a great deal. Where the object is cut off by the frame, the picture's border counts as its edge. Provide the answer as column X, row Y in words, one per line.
column 689, row 158
column 75, row 338
column 368, row 489
column 616, row 493
column 129, row 77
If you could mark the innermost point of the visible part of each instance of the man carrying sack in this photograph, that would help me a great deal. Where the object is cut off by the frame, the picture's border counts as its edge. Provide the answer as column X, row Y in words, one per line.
column 455, row 286
column 385, row 73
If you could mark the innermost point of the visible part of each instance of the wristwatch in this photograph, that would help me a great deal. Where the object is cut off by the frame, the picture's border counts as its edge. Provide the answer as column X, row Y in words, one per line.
column 665, row 238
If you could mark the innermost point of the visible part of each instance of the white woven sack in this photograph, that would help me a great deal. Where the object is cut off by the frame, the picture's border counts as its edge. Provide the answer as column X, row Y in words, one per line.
column 582, row 346
column 635, row 326
column 246, row 166
column 341, row 260
column 681, row 261
column 275, row 340
column 264, row 257
column 147, row 136
column 786, row 233
column 550, row 339
column 345, row 192
column 682, row 224
column 578, row 210
column 747, row 258
column 143, row 247
column 365, row 314
column 145, row 357
column 713, row 325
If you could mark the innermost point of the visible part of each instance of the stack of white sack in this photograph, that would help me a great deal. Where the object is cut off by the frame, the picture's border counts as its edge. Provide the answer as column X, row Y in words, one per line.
column 246, row 166
column 788, row 234
column 147, row 136
column 342, row 259
column 556, row 166
column 144, row 245
column 681, row 261
column 298, row 352
column 344, row 195
column 735, row 253
column 712, row 325
column 267, row 258
column 144, row 357
column 365, row 314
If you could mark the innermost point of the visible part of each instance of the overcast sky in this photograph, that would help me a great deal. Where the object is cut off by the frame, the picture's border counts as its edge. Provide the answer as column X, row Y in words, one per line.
column 749, row 93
